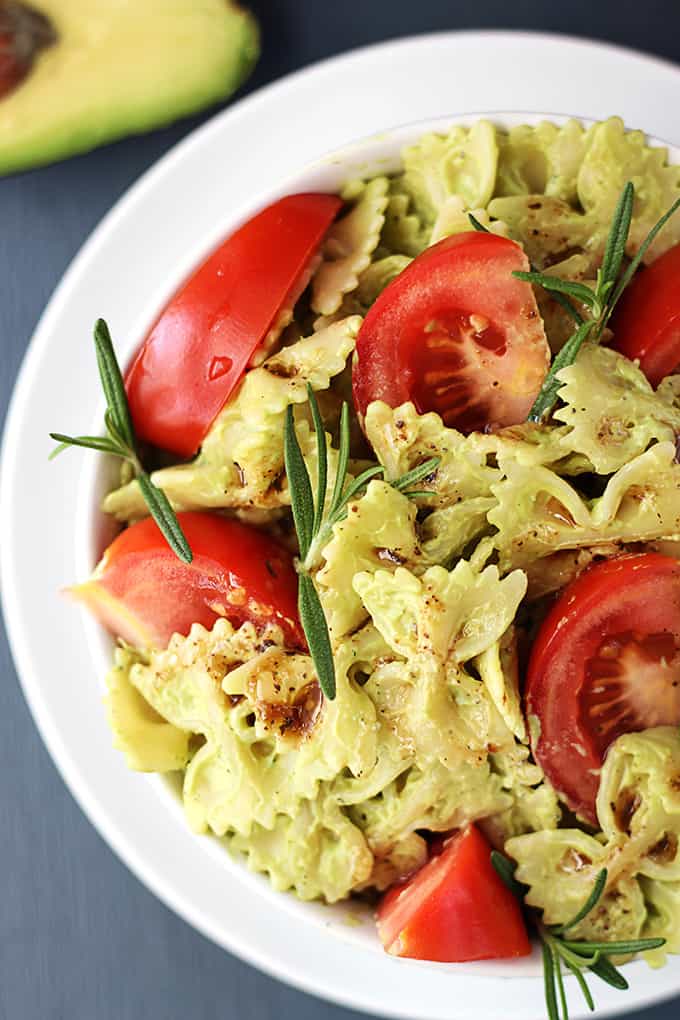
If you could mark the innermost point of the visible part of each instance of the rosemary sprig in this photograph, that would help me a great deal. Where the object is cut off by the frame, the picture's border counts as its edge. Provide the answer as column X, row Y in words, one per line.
column 120, row 442
column 600, row 301
column 314, row 521
column 577, row 955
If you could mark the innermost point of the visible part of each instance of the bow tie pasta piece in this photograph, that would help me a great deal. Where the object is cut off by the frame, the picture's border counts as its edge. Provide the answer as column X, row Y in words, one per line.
column 498, row 669
column 453, row 218
column 404, row 232
column 433, row 798
column 403, row 439
column 638, row 808
column 560, row 868
column 549, row 229
column 446, row 533
column 462, row 162
column 266, row 749
column 379, row 530
column 612, row 412
column 541, row 160
column 316, row 852
column 446, row 615
column 614, row 156
column 349, row 245
column 149, row 742
column 373, row 280
column 663, row 918
column 240, row 464
column 534, row 805
column 539, row 513
column 638, row 803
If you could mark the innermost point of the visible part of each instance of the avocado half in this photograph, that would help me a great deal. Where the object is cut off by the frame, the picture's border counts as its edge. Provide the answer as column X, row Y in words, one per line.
column 75, row 74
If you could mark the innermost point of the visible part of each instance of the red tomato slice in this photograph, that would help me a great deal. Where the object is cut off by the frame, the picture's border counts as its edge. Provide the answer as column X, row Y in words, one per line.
column 606, row 661
column 456, row 333
column 142, row 592
column 200, row 346
column 646, row 323
column 454, row 909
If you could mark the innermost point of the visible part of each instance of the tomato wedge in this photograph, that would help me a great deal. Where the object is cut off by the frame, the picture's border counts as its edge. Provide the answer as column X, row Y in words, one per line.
column 646, row 323
column 454, row 909
column 199, row 348
column 143, row 593
column 606, row 661
column 456, row 333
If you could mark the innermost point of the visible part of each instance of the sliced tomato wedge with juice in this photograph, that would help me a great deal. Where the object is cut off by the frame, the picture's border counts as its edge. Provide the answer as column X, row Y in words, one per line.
column 203, row 340
column 646, row 323
column 458, row 334
column 143, row 593
column 454, row 909
column 606, row 661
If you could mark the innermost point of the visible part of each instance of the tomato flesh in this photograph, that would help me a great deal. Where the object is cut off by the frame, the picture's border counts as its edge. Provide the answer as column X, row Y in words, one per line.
column 143, row 593
column 200, row 346
column 646, row 323
column 454, row 909
column 456, row 333
column 606, row 661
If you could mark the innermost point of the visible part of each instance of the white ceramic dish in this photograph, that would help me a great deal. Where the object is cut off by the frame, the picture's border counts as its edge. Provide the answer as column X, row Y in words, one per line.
column 169, row 221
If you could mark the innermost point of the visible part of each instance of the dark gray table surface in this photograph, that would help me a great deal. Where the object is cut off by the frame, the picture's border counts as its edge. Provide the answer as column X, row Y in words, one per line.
column 80, row 938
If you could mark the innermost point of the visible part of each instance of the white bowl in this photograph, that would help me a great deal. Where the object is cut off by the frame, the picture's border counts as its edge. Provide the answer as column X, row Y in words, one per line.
column 368, row 157
column 312, row 945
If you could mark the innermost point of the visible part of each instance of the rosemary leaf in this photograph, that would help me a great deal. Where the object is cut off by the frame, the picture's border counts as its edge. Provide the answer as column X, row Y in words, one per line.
column 301, row 498
column 505, row 869
column 417, row 474
column 103, row 444
column 593, row 899
column 165, row 517
column 557, row 967
column 615, row 948
column 583, row 984
column 343, row 457
column 578, row 291
column 316, row 630
column 322, row 480
column 112, row 384
column 546, row 398
column 607, row 972
column 549, row 983
column 476, row 225
column 618, row 236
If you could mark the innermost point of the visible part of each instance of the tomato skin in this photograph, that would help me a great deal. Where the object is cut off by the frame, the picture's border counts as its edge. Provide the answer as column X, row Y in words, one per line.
column 571, row 673
column 418, row 342
column 454, row 909
column 142, row 592
column 646, row 323
column 200, row 346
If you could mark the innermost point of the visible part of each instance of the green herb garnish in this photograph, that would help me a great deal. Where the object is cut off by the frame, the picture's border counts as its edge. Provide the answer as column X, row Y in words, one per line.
column 120, row 442
column 578, row 956
column 600, row 302
column 314, row 523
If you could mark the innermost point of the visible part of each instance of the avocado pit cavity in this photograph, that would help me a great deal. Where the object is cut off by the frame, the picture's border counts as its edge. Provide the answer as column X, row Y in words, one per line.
column 24, row 33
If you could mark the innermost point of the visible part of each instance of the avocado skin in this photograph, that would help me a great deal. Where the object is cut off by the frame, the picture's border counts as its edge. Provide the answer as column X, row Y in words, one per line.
column 82, row 92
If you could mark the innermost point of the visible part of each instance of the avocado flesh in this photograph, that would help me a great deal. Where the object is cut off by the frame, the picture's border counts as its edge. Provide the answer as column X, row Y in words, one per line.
column 120, row 67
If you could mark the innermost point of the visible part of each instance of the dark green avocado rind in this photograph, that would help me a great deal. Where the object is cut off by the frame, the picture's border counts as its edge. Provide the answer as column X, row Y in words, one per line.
column 58, row 134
